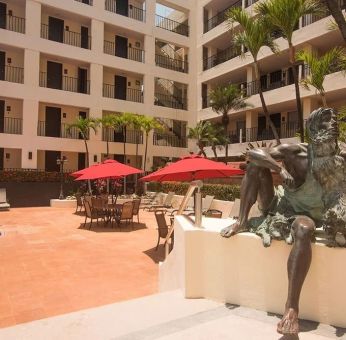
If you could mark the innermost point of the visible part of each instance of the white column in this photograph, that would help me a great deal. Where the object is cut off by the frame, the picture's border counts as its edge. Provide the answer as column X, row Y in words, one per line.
column 149, row 79
column 309, row 105
column 251, row 122
column 97, row 35
column 31, row 68
column 33, row 18
column 96, row 80
column 150, row 9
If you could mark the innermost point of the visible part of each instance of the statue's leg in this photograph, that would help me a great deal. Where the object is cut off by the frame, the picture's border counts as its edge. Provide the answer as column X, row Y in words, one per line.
column 257, row 183
column 297, row 267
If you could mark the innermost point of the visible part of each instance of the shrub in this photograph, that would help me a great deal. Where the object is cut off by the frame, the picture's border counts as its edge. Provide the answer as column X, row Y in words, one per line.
column 223, row 192
column 32, row 176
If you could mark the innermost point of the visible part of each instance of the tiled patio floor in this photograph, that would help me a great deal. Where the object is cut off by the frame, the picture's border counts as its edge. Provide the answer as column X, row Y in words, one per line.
column 50, row 265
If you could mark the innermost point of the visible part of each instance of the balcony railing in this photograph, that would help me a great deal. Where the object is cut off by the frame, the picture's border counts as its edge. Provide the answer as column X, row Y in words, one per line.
column 171, row 25
column 162, row 139
column 131, row 136
column 61, row 131
column 171, row 64
column 13, row 23
column 12, row 74
column 87, row 2
column 248, row 3
column 135, row 54
column 11, row 125
column 171, row 101
column 219, row 58
column 66, row 84
column 68, row 38
column 220, row 17
column 132, row 95
column 131, row 12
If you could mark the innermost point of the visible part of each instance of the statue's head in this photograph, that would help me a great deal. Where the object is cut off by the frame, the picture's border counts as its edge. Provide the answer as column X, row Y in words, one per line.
column 322, row 125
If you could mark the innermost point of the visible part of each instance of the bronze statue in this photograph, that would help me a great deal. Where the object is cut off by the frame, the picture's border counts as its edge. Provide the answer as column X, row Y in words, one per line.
column 313, row 195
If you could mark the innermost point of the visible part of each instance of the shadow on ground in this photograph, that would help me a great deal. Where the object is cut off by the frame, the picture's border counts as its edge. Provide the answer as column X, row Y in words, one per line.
column 156, row 255
column 103, row 227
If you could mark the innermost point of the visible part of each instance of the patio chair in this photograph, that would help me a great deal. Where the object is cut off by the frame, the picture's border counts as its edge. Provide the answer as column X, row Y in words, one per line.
column 99, row 205
column 162, row 226
column 214, row 213
column 148, row 200
column 79, row 199
column 166, row 204
column 206, row 203
column 4, row 205
column 89, row 212
column 135, row 211
column 124, row 214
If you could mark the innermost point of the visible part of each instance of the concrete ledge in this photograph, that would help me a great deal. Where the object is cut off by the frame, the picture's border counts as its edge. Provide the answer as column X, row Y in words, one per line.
column 56, row 203
column 241, row 271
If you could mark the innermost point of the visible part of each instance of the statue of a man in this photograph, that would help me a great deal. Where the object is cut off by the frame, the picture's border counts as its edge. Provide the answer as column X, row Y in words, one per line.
column 313, row 195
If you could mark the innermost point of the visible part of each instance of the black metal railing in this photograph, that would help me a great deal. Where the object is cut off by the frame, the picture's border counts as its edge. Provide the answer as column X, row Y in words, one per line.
column 132, row 53
column 65, row 83
column 132, row 95
column 131, row 12
column 162, row 139
column 171, row 64
column 12, row 74
column 219, row 18
column 171, row 101
column 68, row 38
column 205, row 102
column 220, row 57
column 171, row 25
column 87, row 2
column 62, row 131
column 11, row 125
column 249, row 3
column 119, row 136
column 13, row 23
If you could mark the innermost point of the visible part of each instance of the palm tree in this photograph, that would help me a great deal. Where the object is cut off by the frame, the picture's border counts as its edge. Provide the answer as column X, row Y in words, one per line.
column 148, row 124
column 83, row 126
column 320, row 67
column 255, row 34
column 217, row 138
column 108, row 124
column 336, row 11
column 137, row 125
column 284, row 16
column 201, row 134
column 118, row 125
column 223, row 99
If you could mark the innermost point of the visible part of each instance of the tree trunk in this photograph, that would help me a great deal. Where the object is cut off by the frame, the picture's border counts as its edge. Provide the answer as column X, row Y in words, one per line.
column 201, row 151
column 264, row 106
column 324, row 100
column 146, row 150
column 338, row 16
column 292, row 58
column 225, row 122
column 214, row 150
column 87, row 152
column 107, row 139
column 124, row 136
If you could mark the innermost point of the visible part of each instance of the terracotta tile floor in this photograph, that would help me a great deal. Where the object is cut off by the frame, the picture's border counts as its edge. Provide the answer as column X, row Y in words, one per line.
column 50, row 265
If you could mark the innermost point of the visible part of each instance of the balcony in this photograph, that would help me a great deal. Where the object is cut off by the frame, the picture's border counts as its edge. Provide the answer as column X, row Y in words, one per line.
column 12, row 74
column 129, row 11
column 87, row 2
column 13, row 23
column 171, row 101
column 119, row 136
column 131, row 94
column 65, row 83
column 171, row 25
column 67, row 37
column 13, row 126
column 131, row 53
column 161, row 139
column 221, row 57
column 44, row 129
column 171, row 64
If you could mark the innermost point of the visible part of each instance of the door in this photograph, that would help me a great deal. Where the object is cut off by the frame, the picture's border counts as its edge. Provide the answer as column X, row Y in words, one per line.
column 120, row 87
column 121, row 44
column 261, row 127
column 122, row 7
column 86, row 2
column 119, row 135
column 50, row 160
column 204, row 96
column 55, row 29
column 54, row 75
column 82, row 114
column 2, row 65
column 275, row 79
column 3, row 11
column 119, row 158
column 53, row 121
column 82, row 80
column 84, row 38
column 276, row 119
column 1, row 158
column 2, row 116
column 81, row 160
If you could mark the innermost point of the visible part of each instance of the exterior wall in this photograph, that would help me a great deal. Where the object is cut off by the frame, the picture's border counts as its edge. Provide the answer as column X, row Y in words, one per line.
column 16, row 56
column 16, row 107
column 15, row 7
column 14, row 160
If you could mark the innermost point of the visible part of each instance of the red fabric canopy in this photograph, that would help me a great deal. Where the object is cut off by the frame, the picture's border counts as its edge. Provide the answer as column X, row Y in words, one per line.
column 107, row 169
column 190, row 168
column 81, row 172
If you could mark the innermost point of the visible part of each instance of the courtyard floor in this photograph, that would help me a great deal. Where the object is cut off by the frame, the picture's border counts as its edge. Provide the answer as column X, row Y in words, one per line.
column 51, row 265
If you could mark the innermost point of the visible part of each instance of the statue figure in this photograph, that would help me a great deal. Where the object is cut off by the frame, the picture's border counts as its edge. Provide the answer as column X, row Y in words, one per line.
column 313, row 195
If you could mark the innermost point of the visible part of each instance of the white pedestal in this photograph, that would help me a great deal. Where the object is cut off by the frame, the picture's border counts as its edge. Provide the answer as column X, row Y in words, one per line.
column 241, row 271
column 56, row 203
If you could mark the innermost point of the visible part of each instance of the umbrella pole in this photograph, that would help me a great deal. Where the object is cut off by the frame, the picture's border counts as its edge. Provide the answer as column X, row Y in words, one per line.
column 89, row 186
column 107, row 185
column 124, row 185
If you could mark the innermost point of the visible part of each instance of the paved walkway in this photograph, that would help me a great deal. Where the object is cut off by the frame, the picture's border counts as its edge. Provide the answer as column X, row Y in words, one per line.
column 166, row 316
column 50, row 265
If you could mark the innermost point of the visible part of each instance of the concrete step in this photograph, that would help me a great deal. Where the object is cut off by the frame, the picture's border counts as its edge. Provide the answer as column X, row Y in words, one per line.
column 164, row 316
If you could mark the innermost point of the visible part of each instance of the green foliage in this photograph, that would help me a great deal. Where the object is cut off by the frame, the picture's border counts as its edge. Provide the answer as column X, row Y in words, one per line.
column 342, row 124
column 219, row 191
column 32, row 176
column 83, row 125
column 149, row 123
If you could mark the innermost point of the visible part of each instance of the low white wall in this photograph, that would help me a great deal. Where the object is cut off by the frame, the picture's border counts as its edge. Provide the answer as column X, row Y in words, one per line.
column 241, row 271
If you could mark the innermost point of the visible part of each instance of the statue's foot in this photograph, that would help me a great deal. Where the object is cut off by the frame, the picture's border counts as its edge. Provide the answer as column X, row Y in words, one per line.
column 230, row 230
column 289, row 323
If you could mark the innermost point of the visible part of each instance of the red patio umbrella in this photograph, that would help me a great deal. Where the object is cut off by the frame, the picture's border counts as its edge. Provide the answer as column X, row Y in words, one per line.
column 191, row 168
column 108, row 169
column 81, row 172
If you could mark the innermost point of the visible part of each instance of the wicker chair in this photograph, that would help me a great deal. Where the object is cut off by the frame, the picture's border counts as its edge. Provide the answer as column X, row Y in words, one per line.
column 135, row 211
column 89, row 212
column 162, row 226
column 124, row 214
column 79, row 199
column 99, row 205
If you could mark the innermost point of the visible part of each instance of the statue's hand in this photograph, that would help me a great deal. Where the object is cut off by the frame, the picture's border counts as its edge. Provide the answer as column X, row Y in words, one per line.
column 287, row 178
column 230, row 230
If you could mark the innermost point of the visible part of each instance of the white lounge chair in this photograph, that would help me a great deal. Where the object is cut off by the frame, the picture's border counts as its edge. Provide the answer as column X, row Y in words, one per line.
column 3, row 201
